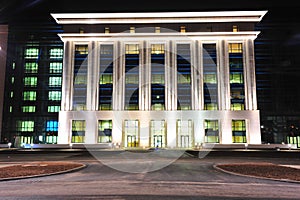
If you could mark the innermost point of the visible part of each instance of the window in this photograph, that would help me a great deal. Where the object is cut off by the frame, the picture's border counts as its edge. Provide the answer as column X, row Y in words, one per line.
column 210, row 78
column 104, row 131
column 53, row 108
column 157, row 48
column 182, row 29
column 235, row 48
column 236, row 77
column 185, row 133
column 56, row 53
column 12, row 80
column 27, row 109
column 30, row 81
column 211, row 131
column 25, row 126
column 238, row 131
column 157, row 29
column 52, row 126
column 132, row 29
column 131, row 133
column 106, row 30
column 31, row 53
column 54, row 95
column 132, row 49
column 235, row 28
column 55, row 67
column 31, row 67
column 54, row 81
column 78, row 131
column 29, row 95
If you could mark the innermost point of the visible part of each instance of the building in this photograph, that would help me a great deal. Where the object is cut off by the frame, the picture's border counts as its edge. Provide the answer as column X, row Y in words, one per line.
column 165, row 79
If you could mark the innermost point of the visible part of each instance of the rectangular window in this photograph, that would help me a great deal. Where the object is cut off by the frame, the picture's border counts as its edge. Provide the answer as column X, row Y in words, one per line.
column 53, row 108
column 104, row 131
column 27, row 109
column 54, row 81
column 25, row 126
column 55, row 68
column 132, row 49
column 54, row 95
column 30, row 81
column 210, row 77
column 52, row 126
column 29, row 95
column 235, row 48
column 184, row 77
column 31, row 53
column 31, row 67
column 131, row 133
column 185, row 133
column 157, row 48
column 239, row 131
column 78, row 131
column 211, row 131
column 56, row 53
column 158, row 137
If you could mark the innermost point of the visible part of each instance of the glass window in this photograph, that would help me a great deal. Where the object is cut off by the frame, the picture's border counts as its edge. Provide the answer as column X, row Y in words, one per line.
column 25, row 126
column 238, row 131
column 54, row 81
column 132, row 49
column 104, row 131
column 78, row 131
column 132, row 29
column 54, row 95
column 211, row 131
column 157, row 29
column 55, row 67
column 56, row 53
column 31, row 53
column 29, row 95
column 236, row 77
column 235, row 28
column 210, row 78
column 30, row 81
column 235, row 48
column 157, row 48
column 27, row 109
column 52, row 126
column 182, row 29
column 53, row 108
column 31, row 67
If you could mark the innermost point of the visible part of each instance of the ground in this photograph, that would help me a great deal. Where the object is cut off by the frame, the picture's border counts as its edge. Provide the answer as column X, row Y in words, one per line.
column 262, row 170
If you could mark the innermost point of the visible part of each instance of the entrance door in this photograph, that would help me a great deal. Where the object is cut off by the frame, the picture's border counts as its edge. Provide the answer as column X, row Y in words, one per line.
column 185, row 141
column 158, row 141
column 131, row 141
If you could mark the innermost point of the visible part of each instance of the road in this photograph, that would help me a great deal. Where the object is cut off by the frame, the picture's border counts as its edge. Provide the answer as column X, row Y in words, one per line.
column 185, row 178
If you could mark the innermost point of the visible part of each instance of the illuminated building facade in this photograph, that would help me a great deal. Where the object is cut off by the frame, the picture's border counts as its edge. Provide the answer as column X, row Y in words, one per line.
column 164, row 79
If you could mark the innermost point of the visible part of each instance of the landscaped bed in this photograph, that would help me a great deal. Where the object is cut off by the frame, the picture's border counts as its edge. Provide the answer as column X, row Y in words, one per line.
column 263, row 170
column 37, row 169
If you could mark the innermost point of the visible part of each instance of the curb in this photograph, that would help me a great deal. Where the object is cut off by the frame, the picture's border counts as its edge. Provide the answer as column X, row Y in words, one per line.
column 43, row 175
column 252, row 176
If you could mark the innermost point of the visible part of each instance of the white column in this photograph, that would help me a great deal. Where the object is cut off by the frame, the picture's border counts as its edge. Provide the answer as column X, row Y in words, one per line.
column 223, row 76
column 194, row 77
column 199, row 74
column 226, row 129
column 249, row 71
column 92, row 76
column 169, row 90
column 142, row 77
column 66, row 100
column 147, row 71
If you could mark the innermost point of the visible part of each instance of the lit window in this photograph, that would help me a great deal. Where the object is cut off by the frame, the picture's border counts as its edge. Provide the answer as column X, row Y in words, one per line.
column 132, row 49
column 157, row 48
column 106, row 30
column 210, row 106
column 182, row 29
column 78, row 131
column 30, row 81
column 210, row 78
column 132, row 29
column 235, row 48
column 25, row 126
column 14, row 65
column 237, row 106
column 52, row 126
column 54, row 81
column 238, row 131
column 81, row 49
column 211, row 131
column 12, row 80
column 56, row 53
column 54, row 95
column 53, row 108
column 29, row 95
column 31, row 67
column 104, row 131
column 11, row 94
column 236, row 78
column 235, row 28
column 31, row 53
column 10, row 108
column 157, row 29
column 27, row 109
column 55, row 67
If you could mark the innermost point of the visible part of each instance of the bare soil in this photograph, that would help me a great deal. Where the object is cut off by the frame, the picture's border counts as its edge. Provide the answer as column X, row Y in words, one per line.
column 36, row 168
column 263, row 170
